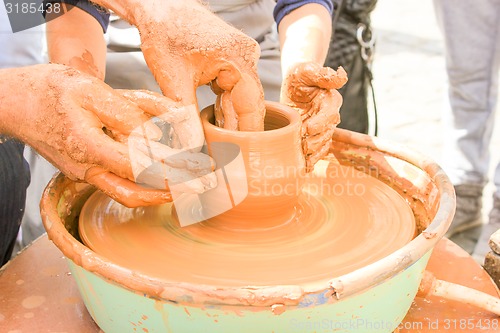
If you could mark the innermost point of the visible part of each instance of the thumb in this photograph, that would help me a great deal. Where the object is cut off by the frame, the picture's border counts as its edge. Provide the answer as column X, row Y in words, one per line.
column 314, row 75
column 184, row 119
column 247, row 97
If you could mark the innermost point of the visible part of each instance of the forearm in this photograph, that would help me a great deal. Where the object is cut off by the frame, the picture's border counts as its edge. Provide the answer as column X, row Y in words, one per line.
column 76, row 39
column 305, row 36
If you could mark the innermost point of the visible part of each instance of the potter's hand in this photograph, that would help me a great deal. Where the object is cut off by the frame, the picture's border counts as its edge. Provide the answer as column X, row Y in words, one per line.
column 186, row 46
column 102, row 136
column 312, row 90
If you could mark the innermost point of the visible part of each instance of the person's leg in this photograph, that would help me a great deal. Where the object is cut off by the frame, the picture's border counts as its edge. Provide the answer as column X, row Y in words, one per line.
column 469, row 29
column 41, row 173
column 22, row 48
column 482, row 247
column 14, row 179
column 470, row 33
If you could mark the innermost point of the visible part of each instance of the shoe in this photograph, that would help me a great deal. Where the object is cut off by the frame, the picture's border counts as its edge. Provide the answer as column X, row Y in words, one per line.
column 468, row 212
column 482, row 246
column 494, row 215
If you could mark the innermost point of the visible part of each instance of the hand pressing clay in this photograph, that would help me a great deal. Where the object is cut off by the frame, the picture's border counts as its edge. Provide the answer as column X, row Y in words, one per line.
column 312, row 90
column 96, row 134
column 185, row 46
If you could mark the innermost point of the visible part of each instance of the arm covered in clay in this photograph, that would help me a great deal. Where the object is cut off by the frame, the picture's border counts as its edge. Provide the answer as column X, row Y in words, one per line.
column 308, row 86
column 99, row 135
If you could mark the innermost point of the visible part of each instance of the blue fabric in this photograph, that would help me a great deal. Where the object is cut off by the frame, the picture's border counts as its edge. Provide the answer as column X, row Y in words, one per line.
column 100, row 14
column 284, row 7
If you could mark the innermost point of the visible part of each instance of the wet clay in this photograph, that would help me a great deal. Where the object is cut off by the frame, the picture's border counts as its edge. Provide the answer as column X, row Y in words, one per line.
column 262, row 172
column 330, row 233
column 331, row 222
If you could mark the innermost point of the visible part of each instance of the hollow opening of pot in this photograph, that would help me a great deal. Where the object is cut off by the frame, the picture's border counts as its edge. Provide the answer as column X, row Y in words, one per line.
column 272, row 121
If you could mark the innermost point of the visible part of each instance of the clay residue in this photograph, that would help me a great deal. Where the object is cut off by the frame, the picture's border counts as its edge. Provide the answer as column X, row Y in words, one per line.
column 86, row 64
column 278, row 309
column 32, row 302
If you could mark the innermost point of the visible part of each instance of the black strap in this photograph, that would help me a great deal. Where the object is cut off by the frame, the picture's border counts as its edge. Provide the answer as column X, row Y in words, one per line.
column 367, row 48
column 336, row 14
column 369, row 75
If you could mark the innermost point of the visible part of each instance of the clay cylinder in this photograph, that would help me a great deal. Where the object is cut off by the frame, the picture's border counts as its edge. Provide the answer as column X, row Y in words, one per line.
column 259, row 174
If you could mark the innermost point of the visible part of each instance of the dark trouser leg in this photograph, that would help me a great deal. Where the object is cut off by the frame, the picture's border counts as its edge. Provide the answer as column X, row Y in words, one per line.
column 14, row 179
column 354, row 110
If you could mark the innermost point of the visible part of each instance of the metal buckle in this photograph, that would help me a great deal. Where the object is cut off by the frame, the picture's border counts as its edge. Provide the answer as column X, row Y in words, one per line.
column 367, row 46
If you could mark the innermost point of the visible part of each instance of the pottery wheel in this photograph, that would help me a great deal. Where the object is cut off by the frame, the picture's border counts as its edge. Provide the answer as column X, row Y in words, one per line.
column 344, row 220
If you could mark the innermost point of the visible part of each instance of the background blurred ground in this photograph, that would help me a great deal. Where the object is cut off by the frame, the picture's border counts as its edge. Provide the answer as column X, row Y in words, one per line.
column 410, row 79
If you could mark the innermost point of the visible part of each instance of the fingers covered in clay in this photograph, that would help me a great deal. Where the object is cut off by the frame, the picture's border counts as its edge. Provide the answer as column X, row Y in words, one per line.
column 316, row 147
column 124, row 191
column 201, row 49
column 218, row 113
column 184, row 119
column 312, row 90
column 90, row 132
column 247, row 99
column 155, row 104
column 117, row 114
column 198, row 163
column 152, row 168
column 311, row 74
column 227, row 77
column 324, row 113
column 160, row 166
column 225, row 115
column 240, row 99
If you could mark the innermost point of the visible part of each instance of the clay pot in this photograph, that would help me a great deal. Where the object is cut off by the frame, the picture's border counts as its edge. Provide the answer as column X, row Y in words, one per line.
column 259, row 174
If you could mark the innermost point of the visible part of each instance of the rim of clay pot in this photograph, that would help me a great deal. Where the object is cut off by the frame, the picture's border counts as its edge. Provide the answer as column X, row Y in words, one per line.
column 339, row 287
column 291, row 116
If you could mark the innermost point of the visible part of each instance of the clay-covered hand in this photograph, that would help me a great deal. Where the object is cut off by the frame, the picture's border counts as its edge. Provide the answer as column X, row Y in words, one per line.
column 103, row 136
column 186, row 46
column 312, row 90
